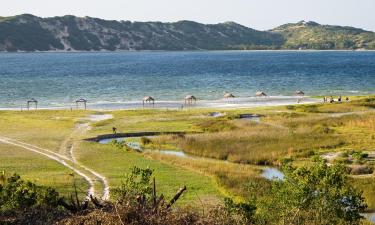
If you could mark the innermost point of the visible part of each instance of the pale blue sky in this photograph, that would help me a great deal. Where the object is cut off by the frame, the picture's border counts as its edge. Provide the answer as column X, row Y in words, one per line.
column 258, row 14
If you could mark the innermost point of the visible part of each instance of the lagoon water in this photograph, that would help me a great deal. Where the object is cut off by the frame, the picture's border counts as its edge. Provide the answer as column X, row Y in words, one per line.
column 122, row 79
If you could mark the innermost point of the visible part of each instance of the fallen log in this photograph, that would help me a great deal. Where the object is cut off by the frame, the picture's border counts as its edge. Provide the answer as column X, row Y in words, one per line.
column 176, row 197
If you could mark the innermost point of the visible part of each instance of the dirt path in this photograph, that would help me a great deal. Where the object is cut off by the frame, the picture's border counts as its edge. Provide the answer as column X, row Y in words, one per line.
column 66, row 156
column 68, row 148
column 53, row 156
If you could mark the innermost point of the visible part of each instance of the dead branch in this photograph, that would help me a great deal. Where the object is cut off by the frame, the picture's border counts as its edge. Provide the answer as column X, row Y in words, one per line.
column 176, row 197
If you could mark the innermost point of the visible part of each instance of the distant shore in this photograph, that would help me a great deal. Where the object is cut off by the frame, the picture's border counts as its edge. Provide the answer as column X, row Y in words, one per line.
column 235, row 103
column 229, row 50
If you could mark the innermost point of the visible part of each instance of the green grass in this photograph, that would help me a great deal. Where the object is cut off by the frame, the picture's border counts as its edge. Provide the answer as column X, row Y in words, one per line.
column 44, row 128
column 39, row 169
column 115, row 163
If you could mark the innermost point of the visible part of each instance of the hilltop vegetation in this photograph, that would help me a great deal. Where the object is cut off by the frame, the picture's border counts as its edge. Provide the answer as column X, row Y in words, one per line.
column 30, row 33
column 68, row 33
column 311, row 35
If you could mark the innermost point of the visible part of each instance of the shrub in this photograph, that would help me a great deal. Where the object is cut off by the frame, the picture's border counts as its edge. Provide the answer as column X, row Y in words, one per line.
column 145, row 141
column 136, row 183
column 17, row 194
column 318, row 194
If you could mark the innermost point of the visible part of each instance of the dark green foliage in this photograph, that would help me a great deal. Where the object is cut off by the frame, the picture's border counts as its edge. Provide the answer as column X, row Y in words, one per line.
column 243, row 209
column 16, row 194
column 136, row 183
column 319, row 194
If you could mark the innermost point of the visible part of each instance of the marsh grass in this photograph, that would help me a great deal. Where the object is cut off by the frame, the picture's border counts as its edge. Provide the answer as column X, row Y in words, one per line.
column 232, row 179
column 367, row 186
column 258, row 144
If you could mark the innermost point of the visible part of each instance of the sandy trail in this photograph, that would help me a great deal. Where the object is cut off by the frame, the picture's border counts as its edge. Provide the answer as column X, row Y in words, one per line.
column 67, row 157
column 53, row 156
column 68, row 145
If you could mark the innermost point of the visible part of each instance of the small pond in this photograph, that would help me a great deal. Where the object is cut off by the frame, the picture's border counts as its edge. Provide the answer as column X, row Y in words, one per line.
column 174, row 153
column 251, row 117
column 134, row 145
column 272, row 174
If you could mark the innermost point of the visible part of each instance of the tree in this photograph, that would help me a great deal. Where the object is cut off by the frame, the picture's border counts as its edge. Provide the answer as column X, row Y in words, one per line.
column 319, row 194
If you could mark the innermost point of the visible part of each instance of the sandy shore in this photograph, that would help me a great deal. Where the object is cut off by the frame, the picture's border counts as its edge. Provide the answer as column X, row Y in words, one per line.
column 232, row 103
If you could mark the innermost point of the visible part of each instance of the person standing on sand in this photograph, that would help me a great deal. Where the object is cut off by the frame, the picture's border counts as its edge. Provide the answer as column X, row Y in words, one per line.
column 114, row 130
column 347, row 99
column 339, row 99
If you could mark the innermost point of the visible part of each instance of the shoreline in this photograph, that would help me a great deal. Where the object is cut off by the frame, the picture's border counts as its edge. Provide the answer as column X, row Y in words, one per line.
column 192, row 50
column 236, row 103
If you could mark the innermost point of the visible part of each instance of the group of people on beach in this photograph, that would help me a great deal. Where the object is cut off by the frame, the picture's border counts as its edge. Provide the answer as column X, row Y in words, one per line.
column 331, row 100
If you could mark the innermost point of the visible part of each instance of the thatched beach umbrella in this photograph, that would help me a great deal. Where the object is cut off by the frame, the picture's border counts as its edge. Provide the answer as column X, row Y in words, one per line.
column 229, row 95
column 189, row 99
column 299, row 93
column 260, row 94
column 148, row 99
column 32, row 101
column 83, row 101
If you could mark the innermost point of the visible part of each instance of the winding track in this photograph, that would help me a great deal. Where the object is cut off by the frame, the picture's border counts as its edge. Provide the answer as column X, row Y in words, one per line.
column 70, row 163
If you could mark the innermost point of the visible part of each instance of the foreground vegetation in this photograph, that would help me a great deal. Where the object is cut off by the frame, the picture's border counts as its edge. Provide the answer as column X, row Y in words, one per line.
column 309, row 195
column 225, row 158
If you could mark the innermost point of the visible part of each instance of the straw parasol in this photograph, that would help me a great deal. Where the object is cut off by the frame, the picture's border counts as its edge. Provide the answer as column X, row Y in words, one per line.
column 148, row 99
column 32, row 101
column 81, row 100
column 299, row 93
column 189, row 99
column 229, row 95
column 260, row 94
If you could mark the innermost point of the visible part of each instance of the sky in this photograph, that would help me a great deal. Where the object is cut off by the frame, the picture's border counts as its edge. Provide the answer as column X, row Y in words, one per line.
column 258, row 14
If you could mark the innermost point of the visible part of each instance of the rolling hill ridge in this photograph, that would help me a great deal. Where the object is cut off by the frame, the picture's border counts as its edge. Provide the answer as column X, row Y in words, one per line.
column 69, row 33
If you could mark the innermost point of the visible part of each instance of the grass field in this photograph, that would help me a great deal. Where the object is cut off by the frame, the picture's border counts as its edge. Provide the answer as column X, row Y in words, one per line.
column 297, row 133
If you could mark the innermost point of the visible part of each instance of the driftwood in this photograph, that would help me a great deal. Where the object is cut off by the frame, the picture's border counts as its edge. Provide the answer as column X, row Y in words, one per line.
column 96, row 202
column 176, row 197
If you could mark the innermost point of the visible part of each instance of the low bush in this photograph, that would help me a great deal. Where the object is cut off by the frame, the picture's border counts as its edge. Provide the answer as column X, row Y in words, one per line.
column 18, row 194
column 145, row 141
column 360, row 169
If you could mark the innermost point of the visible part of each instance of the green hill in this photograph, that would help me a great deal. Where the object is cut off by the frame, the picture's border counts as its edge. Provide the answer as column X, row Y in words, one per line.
column 311, row 35
column 30, row 33
column 69, row 33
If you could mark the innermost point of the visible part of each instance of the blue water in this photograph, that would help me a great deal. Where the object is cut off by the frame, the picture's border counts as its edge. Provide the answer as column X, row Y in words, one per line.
column 57, row 79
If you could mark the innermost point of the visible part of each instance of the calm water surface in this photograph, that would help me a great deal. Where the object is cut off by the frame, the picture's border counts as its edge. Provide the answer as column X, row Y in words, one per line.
column 57, row 79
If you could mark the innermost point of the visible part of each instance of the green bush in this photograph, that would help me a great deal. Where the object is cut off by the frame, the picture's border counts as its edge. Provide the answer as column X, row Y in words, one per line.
column 136, row 183
column 16, row 194
column 318, row 194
